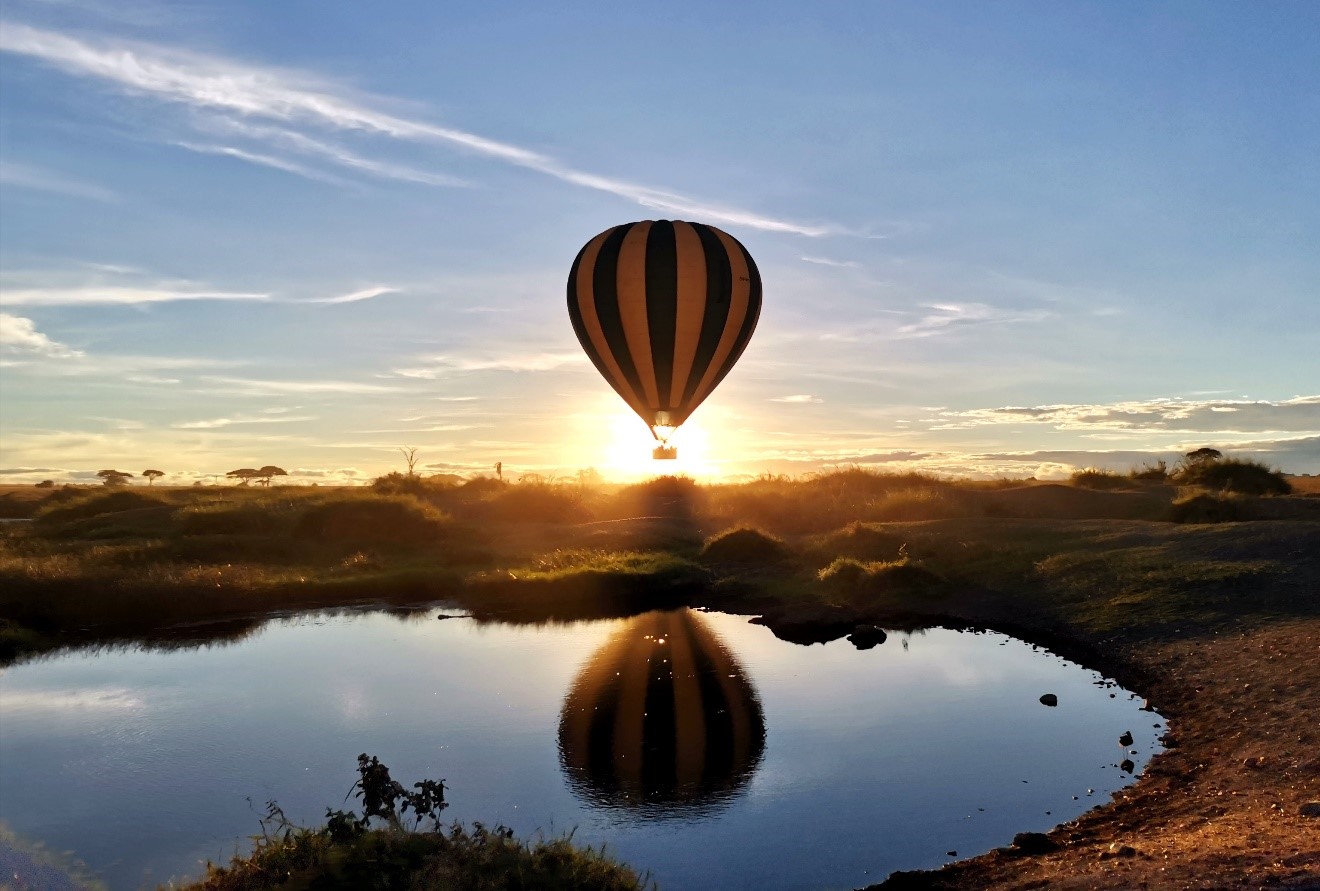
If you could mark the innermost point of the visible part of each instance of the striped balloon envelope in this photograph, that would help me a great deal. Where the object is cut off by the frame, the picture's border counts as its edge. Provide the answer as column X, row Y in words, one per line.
column 664, row 309
column 662, row 718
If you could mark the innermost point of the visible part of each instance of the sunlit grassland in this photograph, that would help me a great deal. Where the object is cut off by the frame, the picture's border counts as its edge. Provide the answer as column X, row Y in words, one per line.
column 128, row 563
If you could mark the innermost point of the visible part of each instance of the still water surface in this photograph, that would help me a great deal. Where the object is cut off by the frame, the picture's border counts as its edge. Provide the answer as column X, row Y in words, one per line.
column 694, row 745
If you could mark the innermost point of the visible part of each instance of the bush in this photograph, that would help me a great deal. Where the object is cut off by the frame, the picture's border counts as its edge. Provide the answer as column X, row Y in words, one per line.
column 530, row 503
column 373, row 520
column 402, row 484
column 862, row 541
column 861, row 582
column 1234, row 475
column 1157, row 472
column 1097, row 479
column 748, row 546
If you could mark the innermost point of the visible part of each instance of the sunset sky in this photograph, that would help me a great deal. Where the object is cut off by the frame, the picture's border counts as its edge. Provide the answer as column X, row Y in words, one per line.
column 1010, row 238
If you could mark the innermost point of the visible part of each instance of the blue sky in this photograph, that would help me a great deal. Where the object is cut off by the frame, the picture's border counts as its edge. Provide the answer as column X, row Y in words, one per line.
column 1013, row 238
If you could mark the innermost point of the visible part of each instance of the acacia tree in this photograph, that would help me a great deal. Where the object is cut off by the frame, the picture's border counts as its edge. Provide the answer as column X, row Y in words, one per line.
column 270, row 470
column 114, row 477
column 245, row 475
column 1203, row 456
column 152, row 474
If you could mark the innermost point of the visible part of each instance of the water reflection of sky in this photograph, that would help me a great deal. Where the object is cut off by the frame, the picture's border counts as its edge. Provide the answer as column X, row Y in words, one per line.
column 143, row 764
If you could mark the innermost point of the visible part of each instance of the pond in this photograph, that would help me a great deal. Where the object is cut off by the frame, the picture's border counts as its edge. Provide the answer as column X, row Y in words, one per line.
column 694, row 745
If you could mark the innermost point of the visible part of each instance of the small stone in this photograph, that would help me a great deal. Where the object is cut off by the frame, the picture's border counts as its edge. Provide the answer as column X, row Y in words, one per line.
column 1127, row 766
column 1049, row 699
column 1254, row 763
column 1033, row 843
column 1126, row 739
column 1117, row 850
column 1310, row 809
column 951, row 853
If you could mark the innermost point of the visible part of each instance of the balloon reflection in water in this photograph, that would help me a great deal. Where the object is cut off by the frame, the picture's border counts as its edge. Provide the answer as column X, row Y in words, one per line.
column 663, row 718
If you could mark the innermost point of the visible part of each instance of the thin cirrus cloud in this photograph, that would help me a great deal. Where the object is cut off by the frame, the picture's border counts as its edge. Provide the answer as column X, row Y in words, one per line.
column 238, row 386
column 97, row 295
column 356, row 296
column 1300, row 414
column 798, row 399
column 261, row 160
column 336, row 154
column 440, row 366
column 944, row 317
column 219, row 85
column 20, row 335
column 219, row 423
column 26, row 176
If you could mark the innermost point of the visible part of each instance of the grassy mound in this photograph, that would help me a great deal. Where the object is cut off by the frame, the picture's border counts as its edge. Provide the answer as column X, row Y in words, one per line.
column 1233, row 475
column 746, row 546
column 1205, row 508
column 96, row 504
column 373, row 520
column 896, row 583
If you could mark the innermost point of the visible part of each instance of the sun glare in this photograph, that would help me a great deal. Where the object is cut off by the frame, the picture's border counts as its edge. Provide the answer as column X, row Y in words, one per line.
column 628, row 452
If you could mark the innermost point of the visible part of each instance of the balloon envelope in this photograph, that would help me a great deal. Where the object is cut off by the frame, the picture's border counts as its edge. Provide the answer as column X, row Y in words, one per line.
column 664, row 309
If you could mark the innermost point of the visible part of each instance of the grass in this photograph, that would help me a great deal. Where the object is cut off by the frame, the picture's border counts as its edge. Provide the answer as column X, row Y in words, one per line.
column 124, row 564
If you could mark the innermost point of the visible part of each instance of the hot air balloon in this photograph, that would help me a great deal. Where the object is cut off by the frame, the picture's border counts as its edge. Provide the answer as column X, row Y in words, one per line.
column 662, row 719
column 664, row 309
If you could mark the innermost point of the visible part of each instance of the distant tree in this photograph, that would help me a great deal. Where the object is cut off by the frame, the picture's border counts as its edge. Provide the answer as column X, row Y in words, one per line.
column 410, row 455
column 1200, row 456
column 245, row 475
column 46, row 484
column 270, row 470
column 499, row 470
column 152, row 474
column 114, row 477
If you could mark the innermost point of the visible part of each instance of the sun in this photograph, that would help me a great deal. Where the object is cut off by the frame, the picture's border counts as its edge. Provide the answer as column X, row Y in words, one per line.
column 628, row 450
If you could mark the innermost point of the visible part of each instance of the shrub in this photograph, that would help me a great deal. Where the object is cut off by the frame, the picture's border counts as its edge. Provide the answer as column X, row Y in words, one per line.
column 1204, row 508
column 862, row 541
column 745, row 545
column 1234, row 475
column 1091, row 478
column 402, row 484
column 373, row 519
column 861, row 581
column 1157, row 472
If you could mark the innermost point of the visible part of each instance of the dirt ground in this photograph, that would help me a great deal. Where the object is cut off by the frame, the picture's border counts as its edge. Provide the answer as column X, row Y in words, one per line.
column 1222, row 807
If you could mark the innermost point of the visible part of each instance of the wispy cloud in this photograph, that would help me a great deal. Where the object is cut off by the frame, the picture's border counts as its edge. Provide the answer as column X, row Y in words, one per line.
column 218, row 423
column 250, row 91
column 944, row 317
column 261, row 160
column 440, row 366
column 20, row 335
column 251, row 387
column 840, row 264
column 1165, row 415
column 799, row 399
column 115, row 296
column 25, row 176
column 355, row 296
column 339, row 155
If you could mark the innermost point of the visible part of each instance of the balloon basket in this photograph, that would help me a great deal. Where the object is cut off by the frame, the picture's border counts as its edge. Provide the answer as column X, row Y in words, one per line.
column 664, row 453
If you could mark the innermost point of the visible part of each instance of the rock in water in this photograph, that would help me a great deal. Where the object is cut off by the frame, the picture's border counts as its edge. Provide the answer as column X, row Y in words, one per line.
column 864, row 637
column 1126, row 739
column 1049, row 699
